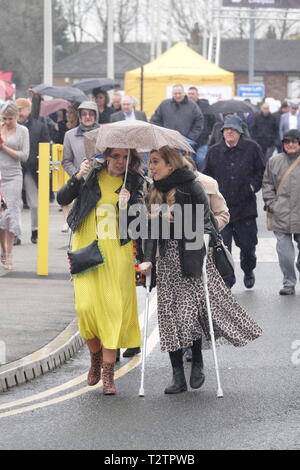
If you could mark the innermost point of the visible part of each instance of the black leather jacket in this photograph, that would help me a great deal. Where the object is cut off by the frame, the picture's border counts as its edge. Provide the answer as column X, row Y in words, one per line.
column 191, row 260
column 87, row 193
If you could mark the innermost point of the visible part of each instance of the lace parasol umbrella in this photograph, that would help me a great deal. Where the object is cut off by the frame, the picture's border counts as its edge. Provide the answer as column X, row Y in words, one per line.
column 138, row 135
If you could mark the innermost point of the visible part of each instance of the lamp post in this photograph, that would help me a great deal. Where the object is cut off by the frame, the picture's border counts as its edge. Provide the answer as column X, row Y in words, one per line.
column 48, row 43
column 158, row 28
column 251, row 60
column 110, row 40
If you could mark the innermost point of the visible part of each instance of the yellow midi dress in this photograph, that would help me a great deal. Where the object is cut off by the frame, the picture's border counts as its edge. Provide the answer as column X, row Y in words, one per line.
column 105, row 298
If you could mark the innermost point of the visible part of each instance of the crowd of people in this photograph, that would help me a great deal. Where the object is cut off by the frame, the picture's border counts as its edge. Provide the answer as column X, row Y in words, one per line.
column 248, row 153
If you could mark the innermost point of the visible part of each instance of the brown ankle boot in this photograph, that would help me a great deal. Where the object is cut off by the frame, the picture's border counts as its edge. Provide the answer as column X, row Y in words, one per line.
column 94, row 374
column 108, row 378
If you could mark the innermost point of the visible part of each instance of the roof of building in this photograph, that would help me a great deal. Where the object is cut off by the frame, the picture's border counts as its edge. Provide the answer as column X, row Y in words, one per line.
column 271, row 55
column 92, row 59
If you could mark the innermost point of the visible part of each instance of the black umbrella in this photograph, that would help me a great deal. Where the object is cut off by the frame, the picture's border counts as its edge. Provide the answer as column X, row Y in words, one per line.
column 65, row 92
column 89, row 84
column 231, row 106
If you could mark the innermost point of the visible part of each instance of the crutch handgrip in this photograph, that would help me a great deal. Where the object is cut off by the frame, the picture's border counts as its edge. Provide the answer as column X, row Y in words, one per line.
column 206, row 240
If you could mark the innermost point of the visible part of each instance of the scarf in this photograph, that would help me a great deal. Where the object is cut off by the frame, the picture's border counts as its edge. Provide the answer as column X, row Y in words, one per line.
column 293, row 156
column 84, row 128
column 178, row 177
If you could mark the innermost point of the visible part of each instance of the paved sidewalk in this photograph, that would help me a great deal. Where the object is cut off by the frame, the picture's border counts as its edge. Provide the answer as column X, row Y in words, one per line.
column 35, row 310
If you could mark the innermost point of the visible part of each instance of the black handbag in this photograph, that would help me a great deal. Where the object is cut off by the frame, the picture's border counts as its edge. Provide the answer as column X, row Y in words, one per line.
column 85, row 259
column 221, row 256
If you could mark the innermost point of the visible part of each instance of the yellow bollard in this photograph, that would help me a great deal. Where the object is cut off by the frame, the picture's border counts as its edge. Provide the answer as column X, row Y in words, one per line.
column 55, row 168
column 63, row 177
column 43, row 209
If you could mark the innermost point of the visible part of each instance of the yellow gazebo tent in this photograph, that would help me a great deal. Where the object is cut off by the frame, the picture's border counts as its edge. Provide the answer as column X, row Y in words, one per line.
column 180, row 64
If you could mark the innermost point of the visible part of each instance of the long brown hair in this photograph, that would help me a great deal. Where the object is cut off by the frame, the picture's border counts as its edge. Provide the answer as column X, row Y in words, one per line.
column 177, row 160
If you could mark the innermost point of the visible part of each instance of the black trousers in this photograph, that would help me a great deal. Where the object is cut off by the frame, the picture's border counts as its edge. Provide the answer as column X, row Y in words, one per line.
column 176, row 356
column 244, row 233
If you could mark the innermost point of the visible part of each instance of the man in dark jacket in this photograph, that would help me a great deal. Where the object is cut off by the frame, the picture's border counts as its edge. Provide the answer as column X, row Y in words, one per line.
column 38, row 132
column 128, row 112
column 237, row 163
column 265, row 130
column 284, row 108
column 180, row 114
column 208, row 124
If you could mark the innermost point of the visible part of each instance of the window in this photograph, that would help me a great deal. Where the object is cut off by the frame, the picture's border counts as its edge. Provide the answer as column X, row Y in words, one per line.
column 294, row 87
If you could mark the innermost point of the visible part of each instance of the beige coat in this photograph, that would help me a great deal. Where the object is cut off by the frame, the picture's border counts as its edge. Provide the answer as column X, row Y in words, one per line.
column 285, row 208
column 216, row 201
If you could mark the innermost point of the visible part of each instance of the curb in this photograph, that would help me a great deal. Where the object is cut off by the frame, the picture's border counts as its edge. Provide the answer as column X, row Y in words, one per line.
column 46, row 359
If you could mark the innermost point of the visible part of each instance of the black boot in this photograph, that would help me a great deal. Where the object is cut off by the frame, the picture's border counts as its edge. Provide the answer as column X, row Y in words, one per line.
column 34, row 236
column 130, row 352
column 118, row 355
column 197, row 376
column 178, row 384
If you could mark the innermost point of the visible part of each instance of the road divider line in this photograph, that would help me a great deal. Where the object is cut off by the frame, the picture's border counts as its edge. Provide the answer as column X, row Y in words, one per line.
column 132, row 364
column 74, row 382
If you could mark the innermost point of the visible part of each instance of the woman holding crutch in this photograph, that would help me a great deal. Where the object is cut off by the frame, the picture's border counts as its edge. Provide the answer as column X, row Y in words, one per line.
column 182, row 308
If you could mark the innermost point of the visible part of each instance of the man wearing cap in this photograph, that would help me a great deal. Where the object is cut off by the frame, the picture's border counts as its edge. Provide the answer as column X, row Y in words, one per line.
column 38, row 132
column 290, row 120
column 237, row 163
column 74, row 150
column 281, row 194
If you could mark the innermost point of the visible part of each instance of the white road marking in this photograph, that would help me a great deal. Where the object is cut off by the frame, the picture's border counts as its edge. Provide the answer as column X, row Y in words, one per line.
column 133, row 363
column 82, row 378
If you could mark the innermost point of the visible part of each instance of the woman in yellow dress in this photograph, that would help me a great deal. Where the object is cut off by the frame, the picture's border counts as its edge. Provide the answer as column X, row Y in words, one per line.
column 105, row 298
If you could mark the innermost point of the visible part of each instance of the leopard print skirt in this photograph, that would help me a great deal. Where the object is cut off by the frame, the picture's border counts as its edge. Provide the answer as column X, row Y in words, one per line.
column 182, row 311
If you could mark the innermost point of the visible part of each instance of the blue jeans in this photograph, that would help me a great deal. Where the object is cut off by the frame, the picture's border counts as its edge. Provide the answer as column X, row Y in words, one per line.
column 199, row 157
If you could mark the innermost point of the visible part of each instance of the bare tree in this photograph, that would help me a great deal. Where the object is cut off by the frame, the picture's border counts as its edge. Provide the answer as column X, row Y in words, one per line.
column 125, row 17
column 285, row 28
column 185, row 16
column 100, row 10
column 76, row 12
column 21, row 47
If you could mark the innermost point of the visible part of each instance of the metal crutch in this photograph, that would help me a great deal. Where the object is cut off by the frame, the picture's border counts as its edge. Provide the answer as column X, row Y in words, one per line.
column 146, row 314
column 211, row 327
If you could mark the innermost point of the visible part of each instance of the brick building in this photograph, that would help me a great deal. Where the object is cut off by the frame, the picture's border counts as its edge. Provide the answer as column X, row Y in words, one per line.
column 277, row 63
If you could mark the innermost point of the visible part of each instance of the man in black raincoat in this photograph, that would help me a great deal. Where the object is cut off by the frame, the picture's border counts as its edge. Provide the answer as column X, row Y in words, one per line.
column 237, row 163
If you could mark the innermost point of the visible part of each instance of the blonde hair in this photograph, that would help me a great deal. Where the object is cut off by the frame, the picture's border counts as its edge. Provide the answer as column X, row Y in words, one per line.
column 9, row 108
column 155, row 197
